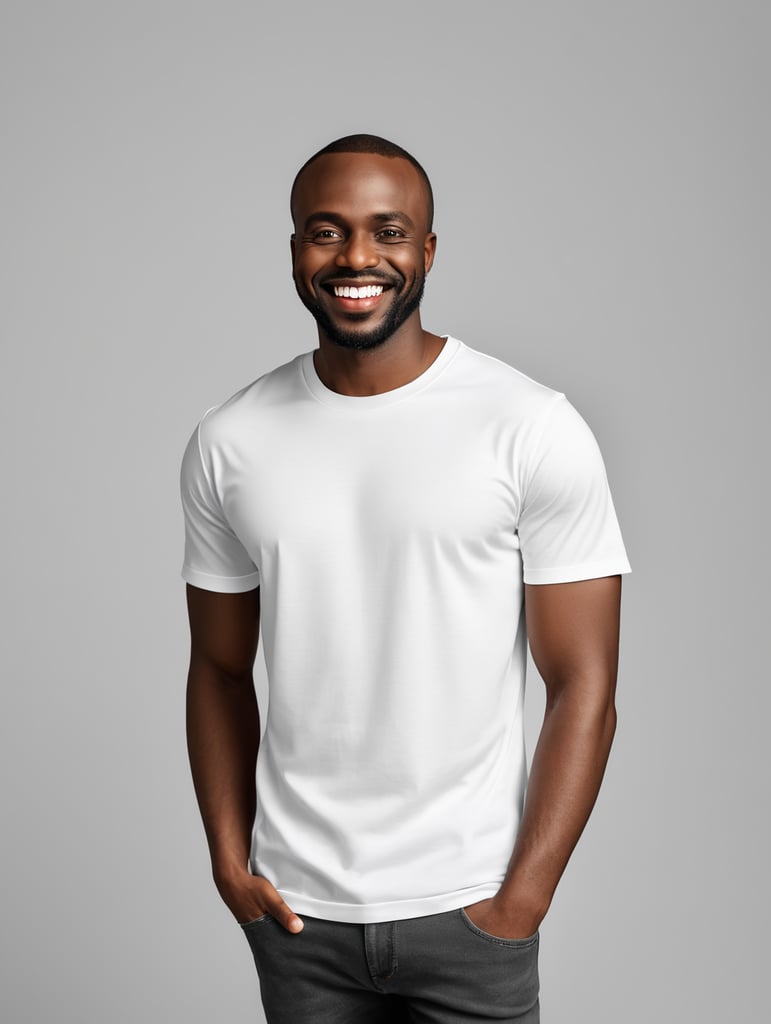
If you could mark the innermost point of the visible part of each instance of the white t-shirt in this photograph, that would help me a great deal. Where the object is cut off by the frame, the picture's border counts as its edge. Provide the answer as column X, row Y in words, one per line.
column 390, row 536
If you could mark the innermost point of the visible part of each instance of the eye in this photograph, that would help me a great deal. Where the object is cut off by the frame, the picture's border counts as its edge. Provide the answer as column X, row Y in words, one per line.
column 389, row 234
column 325, row 235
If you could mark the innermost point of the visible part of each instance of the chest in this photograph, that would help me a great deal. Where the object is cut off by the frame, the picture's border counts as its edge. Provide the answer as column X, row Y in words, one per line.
column 372, row 483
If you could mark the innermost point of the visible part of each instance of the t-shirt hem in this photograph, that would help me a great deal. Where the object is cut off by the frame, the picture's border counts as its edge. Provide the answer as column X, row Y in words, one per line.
column 396, row 910
column 221, row 584
column 574, row 573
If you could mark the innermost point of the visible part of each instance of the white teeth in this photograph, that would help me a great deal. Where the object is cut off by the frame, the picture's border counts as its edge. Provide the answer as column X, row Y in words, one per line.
column 367, row 291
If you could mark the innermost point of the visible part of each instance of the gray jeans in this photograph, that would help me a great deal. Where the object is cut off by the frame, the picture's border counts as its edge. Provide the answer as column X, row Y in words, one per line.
column 439, row 969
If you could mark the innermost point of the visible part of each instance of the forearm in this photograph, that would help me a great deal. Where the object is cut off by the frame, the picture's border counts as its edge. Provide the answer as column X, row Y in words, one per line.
column 565, row 778
column 223, row 735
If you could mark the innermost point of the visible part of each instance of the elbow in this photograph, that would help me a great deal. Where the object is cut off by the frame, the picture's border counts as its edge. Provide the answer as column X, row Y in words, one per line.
column 611, row 722
column 589, row 700
column 604, row 692
column 607, row 713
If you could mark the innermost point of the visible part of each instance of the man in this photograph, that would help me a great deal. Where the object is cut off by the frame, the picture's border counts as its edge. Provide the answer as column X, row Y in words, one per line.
column 392, row 504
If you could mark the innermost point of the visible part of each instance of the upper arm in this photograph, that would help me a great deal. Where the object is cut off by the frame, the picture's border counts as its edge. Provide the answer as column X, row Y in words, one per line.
column 567, row 526
column 573, row 631
column 215, row 558
column 224, row 629
column 223, row 597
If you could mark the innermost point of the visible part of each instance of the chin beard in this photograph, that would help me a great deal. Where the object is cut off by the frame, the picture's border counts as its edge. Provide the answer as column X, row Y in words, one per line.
column 400, row 311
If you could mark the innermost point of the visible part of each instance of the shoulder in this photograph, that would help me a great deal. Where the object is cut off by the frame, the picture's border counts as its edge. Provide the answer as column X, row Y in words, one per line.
column 503, row 389
column 240, row 414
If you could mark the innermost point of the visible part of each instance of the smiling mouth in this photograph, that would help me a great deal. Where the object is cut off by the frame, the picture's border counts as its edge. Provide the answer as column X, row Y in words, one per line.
column 366, row 291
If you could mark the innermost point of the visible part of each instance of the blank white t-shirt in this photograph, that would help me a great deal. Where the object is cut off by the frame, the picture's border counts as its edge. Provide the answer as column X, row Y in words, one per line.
column 390, row 536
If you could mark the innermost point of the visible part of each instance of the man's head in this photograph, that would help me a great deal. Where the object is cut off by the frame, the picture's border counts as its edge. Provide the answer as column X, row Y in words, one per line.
column 373, row 145
column 363, row 211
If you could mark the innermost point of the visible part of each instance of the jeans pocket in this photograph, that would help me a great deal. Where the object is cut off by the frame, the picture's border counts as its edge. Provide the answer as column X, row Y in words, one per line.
column 257, row 920
column 527, row 942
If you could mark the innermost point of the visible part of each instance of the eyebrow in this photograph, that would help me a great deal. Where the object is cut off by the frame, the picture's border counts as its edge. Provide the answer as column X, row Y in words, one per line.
column 394, row 215
column 380, row 218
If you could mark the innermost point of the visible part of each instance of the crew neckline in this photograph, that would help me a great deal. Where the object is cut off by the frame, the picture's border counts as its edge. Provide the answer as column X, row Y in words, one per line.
column 320, row 391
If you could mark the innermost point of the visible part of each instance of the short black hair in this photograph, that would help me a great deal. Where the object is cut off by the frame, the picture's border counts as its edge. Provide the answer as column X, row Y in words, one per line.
column 369, row 144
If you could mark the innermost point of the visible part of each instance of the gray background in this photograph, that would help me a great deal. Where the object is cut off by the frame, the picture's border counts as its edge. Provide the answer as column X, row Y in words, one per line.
column 600, row 173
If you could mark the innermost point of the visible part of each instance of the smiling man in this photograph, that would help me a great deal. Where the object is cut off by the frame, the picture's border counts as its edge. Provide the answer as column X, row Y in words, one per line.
column 362, row 305
column 391, row 508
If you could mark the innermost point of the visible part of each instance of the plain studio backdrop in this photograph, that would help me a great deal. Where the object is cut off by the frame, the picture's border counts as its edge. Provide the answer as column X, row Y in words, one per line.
column 601, row 173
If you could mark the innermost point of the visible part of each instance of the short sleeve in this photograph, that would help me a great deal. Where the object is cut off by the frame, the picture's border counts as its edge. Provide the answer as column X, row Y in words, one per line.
column 215, row 559
column 567, row 528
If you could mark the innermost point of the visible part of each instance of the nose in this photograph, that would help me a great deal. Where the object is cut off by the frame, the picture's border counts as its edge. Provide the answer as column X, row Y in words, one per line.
column 358, row 252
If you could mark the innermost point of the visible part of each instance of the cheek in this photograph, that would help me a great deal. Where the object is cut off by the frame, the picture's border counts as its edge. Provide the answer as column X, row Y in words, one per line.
column 406, row 267
column 304, row 271
column 413, row 273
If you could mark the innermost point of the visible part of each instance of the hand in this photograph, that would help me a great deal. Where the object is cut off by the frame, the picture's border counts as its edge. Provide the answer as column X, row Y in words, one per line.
column 250, row 896
column 503, row 922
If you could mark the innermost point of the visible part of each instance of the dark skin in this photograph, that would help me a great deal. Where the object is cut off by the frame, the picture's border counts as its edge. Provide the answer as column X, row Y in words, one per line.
column 364, row 217
column 573, row 628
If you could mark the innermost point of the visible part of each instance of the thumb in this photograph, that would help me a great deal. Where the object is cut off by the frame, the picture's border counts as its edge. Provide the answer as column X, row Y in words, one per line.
column 285, row 915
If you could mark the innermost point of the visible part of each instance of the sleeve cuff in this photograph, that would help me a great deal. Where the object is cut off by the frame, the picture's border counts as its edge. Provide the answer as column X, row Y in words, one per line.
column 220, row 584
column 574, row 573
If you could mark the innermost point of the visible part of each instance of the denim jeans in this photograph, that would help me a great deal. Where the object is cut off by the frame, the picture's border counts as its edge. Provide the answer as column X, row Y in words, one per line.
column 438, row 969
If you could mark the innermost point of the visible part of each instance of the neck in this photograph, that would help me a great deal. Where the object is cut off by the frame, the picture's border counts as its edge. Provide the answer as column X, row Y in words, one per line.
column 359, row 373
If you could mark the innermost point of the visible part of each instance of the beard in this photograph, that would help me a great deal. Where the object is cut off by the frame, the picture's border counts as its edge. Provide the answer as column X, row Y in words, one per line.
column 400, row 310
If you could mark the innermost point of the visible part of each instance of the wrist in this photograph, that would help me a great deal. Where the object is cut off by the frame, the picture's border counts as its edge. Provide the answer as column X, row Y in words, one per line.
column 523, row 904
column 227, row 869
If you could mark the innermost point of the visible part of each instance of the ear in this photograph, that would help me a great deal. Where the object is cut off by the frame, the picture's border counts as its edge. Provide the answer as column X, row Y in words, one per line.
column 292, row 246
column 429, row 251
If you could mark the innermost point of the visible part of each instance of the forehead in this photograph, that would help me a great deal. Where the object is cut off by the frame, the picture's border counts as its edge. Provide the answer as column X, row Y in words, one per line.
column 358, row 185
